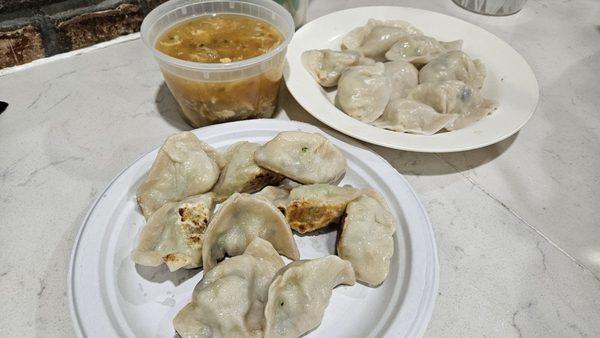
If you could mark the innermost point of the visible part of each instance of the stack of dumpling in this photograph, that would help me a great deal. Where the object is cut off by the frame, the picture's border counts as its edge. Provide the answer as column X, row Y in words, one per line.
column 389, row 74
column 252, row 293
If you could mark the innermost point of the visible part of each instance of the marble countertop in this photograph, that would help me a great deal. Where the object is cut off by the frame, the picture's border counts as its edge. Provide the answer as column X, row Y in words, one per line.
column 516, row 223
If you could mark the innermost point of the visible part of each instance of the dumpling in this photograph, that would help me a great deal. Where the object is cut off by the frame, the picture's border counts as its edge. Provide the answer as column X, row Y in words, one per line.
column 239, row 220
column 365, row 61
column 174, row 234
column 278, row 196
column 410, row 116
column 404, row 77
column 454, row 97
column 454, row 65
column 327, row 65
column 182, row 168
column 300, row 293
column 229, row 301
column 376, row 38
column 241, row 174
column 313, row 207
column 306, row 158
column 365, row 237
column 420, row 49
column 363, row 92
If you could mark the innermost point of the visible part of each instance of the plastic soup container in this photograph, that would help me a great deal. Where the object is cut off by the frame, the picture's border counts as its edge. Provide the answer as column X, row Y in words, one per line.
column 219, row 92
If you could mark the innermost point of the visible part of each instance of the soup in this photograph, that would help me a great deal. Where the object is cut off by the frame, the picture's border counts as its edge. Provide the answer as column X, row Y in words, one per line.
column 220, row 38
column 225, row 39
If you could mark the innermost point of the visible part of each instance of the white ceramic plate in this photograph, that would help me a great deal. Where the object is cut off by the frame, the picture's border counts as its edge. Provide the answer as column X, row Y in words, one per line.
column 510, row 81
column 110, row 296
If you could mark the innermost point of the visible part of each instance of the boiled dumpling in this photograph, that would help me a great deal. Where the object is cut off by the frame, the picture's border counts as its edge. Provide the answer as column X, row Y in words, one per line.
column 174, row 234
column 404, row 77
column 313, row 207
column 229, row 301
column 363, row 92
column 420, row 49
column 241, row 174
column 454, row 65
column 365, row 61
column 365, row 237
column 182, row 168
column 239, row 220
column 303, row 157
column 327, row 65
column 376, row 38
column 410, row 116
column 300, row 293
column 454, row 97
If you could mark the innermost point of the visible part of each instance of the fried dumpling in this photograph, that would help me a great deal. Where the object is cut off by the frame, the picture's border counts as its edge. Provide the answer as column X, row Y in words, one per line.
column 454, row 65
column 184, row 166
column 306, row 158
column 454, row 97
column 326, row 65
column 365, row 237
column 239, row 220
column 376, row 38
column 404, row 77
column 363, row 92
column 174, row 234
column 241, row 174
column 420, row 49
column 229, row 301
column 300, row 293
column 410, row 116
column 313, row 207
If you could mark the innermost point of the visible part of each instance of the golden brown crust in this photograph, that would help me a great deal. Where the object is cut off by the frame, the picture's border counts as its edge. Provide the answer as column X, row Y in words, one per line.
column 194, row 222
column 306, row 216
column 170, row 257
column 262, row 179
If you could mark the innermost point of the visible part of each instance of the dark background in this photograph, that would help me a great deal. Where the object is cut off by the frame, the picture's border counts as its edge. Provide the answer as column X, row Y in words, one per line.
column 33, row 29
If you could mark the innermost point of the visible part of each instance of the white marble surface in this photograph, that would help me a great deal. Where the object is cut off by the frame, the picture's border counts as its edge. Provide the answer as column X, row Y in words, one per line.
column 516, row 223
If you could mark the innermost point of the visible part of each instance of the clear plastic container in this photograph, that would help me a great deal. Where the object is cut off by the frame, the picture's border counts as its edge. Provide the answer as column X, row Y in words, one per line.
column 219, row 92
column 492, row 7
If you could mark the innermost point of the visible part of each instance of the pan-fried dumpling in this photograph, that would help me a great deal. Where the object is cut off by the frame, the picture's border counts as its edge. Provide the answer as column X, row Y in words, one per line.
column 229, row 301
column 313, row 207
column 306, row 158
column 454, row 97
column 327, row 65
column 454, row 65
column 363, row 92
column 376, row 38
column 300, row 293
column 420, row 49
column 404, row 77
column 181, row 169
column 239, row 220
column 365, row 237
column 174, row 234
column 410, row 116
column 241, row 174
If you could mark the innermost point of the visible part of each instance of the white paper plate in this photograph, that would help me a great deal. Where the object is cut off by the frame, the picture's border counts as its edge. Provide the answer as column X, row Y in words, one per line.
column 110, row 296
column 510, row 81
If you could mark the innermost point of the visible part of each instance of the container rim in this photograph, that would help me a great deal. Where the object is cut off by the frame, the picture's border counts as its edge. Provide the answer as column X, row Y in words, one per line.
column 173, row 5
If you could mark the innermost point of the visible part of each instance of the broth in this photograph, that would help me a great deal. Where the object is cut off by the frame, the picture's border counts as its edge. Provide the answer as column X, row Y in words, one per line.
column 220, row 38
column 230, row 95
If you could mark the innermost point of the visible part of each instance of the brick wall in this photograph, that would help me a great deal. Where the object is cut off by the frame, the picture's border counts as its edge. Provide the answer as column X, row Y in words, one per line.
column 33, row 29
